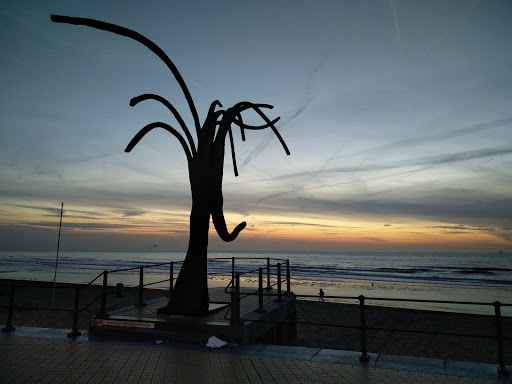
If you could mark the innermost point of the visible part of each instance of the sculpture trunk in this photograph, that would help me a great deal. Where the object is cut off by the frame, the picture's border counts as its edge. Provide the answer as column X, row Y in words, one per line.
column 190, row 294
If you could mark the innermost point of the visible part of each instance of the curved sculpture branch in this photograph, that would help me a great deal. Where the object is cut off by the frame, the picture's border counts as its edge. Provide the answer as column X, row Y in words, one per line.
column 144, row 41
column 134, row 101
column 241, row 125
column 216, row 197
column 233, row 156
column 236, row 118
column 213, row 105
column 220, row 226
column 264, row 117
column 168, row 128
column 254, row 127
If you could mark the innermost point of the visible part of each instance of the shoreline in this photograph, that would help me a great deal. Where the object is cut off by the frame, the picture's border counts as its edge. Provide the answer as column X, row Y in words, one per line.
column 409, row 275
column 400, row 341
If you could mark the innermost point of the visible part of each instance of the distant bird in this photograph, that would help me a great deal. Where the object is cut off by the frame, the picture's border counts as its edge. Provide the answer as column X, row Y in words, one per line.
column 154, row 246
column 500, row 251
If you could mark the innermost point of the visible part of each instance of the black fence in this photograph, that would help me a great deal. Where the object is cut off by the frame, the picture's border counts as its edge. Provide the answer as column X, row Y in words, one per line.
column 274, row 279
column 236, row 297
column 107, row 290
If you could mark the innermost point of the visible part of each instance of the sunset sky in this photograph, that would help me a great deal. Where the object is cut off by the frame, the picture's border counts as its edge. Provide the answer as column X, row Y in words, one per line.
column 398, row 116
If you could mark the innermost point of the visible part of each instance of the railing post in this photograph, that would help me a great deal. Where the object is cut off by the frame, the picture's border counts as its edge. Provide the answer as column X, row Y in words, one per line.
column 235, row 311
column 233, row 272
column 364, row 354
column 103, row 309
column 233, row 305
column 141, row 303
column 8, row 328
column 268, row 274
column 261, row 308
column 237, row 297
column 171, row 278
column 502, row 369
column 279, row 296
column 288, row 284
column 235, row 301
column 74, row 330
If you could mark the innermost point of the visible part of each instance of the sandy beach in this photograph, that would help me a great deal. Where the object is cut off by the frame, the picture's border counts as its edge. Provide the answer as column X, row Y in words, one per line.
column 39, row 295
column 458, row 348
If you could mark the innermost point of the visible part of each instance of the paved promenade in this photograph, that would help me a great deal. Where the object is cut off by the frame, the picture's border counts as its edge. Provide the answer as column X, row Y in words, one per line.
column 39, row 355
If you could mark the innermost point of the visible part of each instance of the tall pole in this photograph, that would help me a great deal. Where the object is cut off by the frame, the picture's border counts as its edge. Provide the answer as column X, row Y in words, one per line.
column 57, row 258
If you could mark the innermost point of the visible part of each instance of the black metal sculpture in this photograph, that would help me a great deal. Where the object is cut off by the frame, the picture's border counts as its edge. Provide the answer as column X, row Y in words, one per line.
column 205, row 165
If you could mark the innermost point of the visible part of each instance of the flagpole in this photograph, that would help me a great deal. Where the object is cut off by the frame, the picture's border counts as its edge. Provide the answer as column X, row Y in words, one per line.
column 57, row 258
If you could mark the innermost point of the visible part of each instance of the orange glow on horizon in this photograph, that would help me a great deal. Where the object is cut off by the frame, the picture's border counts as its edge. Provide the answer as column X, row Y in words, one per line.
column 289, row 231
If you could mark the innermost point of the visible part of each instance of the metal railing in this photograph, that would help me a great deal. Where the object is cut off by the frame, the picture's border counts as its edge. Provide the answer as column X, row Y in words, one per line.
column 141, row 269
column 107, row 290
column 12, row 307
column 235, row 318
column 234, row 289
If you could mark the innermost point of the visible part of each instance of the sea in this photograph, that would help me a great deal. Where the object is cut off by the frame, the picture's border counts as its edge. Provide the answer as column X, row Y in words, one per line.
column 384, row 278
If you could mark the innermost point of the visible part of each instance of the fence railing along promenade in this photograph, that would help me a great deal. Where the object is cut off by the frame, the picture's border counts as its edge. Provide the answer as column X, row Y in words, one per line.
column 236, row 297
column 107, row 290
column 234, row 289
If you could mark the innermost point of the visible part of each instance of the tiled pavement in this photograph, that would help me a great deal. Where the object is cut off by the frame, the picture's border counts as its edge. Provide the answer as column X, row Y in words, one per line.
column 37, row 355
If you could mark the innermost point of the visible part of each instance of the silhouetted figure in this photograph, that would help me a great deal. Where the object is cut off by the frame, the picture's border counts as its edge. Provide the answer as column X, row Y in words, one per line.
column 205, row 160
column 321, row 293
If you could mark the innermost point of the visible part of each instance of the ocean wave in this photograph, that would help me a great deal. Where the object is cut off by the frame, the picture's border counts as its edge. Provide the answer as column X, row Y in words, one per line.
column 483, row 270
column 460, row 269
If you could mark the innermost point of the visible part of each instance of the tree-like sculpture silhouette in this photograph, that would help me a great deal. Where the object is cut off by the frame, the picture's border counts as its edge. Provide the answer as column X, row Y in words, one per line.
column 205, row 165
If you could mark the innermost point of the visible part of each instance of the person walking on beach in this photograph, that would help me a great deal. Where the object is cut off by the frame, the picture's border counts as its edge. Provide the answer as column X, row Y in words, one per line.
column 321, row 293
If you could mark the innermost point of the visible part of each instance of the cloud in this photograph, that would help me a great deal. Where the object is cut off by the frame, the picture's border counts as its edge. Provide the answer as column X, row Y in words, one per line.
column 472, row 208
column 303, row 105
column 50, row 211
column 133, row 212
column 94, row 226
column 118, row 196
column 431, row 161
column 396, row 24
column 445, row 134
column 465, row 227
column 88, row 226
column 424, row 163
column 269, row 137
column 499, row 231
column 300, row 223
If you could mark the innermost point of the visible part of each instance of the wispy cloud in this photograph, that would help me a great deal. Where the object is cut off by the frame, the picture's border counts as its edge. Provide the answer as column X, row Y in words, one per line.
column 419, row 140
column 470, row 208
column 423, row 162
column 465, row 227
column 303, row 105
column 133, row 213
column 269, row 137
column 396, row 24
column 300, row 223
column 417, row 165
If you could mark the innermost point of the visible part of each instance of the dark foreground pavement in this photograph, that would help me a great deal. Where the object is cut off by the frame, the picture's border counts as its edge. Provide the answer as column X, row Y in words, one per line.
column 41, row 355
